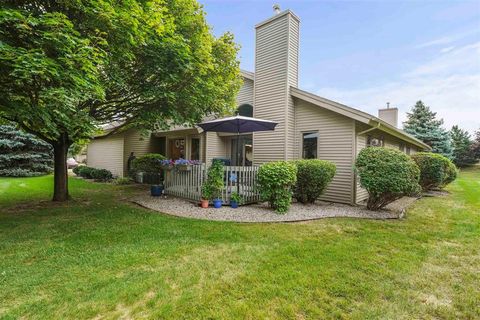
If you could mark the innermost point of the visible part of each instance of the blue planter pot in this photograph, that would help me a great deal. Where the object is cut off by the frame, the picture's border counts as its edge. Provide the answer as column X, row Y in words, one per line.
column 233, row 204
column 156, row 190
column 217, row 203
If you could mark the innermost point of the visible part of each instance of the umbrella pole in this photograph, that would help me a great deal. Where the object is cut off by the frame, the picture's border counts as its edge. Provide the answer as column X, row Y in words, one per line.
column 238, row 156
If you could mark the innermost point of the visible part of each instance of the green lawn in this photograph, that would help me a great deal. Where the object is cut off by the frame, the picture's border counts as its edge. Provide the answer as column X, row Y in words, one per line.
column 101, row 257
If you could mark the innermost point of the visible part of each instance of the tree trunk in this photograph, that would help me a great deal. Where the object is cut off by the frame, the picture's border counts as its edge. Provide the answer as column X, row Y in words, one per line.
column 60, row 172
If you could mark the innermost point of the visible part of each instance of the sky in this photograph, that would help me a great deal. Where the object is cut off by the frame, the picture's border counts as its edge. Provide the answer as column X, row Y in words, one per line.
column 367, row 53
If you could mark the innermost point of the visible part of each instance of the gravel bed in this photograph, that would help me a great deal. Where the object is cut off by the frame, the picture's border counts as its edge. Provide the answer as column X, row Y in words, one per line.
column 261, row 213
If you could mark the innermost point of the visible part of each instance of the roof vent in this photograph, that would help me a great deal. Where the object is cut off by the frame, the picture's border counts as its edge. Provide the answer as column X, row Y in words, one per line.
column 276, row 8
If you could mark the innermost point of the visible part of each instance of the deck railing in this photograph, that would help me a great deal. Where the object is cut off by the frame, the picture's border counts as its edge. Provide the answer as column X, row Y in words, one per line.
column 186, row 182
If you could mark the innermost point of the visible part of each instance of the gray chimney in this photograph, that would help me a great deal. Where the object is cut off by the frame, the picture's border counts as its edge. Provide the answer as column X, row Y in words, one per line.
column 389, row 115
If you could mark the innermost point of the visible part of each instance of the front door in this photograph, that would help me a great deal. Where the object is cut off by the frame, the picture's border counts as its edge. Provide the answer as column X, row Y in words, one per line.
column 177, row 149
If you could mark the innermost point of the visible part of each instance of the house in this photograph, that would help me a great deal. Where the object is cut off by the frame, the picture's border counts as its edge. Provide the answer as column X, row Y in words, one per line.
column 309, row 126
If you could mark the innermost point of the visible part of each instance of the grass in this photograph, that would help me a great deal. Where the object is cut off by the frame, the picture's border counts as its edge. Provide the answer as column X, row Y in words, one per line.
column 102, row 257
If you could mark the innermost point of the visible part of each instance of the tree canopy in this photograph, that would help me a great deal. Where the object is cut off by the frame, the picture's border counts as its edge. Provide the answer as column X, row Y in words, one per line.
column 67, row 67
column 422, row 123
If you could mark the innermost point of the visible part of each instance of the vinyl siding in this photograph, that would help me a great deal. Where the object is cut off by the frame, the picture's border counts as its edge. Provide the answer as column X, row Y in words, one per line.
column 361, row 193
column 335, row 143
column 107, row 153
column 245, row 95
column 276, row 68
column 137, row 143
column 215, row 147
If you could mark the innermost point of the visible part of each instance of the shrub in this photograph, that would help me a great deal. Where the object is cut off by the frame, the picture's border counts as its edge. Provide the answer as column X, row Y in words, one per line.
column 76, row 170
column 101, row 175
column 122, row 181
column 149, row 163
column 213, row 186
column 436, row 171
column 275, row 182
column 22, row 154
column 387, row 175
column 313, row 176
column 86, row 172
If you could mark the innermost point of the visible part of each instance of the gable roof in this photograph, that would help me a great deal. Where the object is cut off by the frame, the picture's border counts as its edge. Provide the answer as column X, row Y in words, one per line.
column 357, row 115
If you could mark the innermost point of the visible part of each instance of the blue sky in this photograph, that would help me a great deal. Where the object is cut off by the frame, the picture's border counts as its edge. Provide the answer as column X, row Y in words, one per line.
column 365, row 53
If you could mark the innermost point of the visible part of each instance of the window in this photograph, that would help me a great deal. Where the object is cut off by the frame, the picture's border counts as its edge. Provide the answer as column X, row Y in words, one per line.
column 408, row 150
column 373, row 141
column 310, row 142
column 195, row 149
column 245, row 110
column 401, row 147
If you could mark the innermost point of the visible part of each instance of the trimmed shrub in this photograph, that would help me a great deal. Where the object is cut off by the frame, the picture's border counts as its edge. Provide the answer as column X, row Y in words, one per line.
column 101, row 175
column 22, row 154
column 387, row 175
column 313, row 176
column 149, row 163
column 436, row 171
column 76, row 170
column 275, row 183
column 86, row 172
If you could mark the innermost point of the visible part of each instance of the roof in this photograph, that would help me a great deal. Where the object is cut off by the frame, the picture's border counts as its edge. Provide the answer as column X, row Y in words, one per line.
column 357, row 115
column 247, row 74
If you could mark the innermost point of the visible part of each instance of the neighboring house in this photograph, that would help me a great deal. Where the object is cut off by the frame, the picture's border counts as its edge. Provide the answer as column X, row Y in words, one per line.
column 309, row 126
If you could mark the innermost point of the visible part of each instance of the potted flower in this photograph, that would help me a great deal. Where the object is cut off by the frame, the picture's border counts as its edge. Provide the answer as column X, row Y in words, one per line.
column 206, row 195
column 183, row 165
column 167, row 164
column 215, row 182
column 235, row 199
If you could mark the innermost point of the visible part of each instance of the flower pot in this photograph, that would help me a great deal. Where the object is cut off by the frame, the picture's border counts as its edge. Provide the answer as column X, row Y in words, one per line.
column 184, row 167
column 156, row 190
column 204, row 203
column 217, row 203
column 233, row 204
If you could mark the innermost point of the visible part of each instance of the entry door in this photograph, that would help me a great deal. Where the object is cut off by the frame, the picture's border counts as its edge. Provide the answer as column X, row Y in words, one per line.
column 177, row 148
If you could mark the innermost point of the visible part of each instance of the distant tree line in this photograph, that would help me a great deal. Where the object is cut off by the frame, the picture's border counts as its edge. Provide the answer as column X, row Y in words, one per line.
column 456, row 144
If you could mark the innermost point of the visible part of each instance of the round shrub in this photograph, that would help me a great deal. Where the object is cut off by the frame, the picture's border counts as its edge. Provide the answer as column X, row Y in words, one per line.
column 149, row 163
column 313, row 176
column 101, row 175
column 76, row 170
column 275, row 183
column 86, row 172
column 436, row 170
column 387, row 175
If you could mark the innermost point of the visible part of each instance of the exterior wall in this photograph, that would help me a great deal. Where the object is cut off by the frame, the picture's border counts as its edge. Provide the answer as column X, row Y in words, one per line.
column 361, row 194
column 215, row 147
column 245, row 95
column 276, row 69
column 107, row 153
column 335, row 143
column 139, row 144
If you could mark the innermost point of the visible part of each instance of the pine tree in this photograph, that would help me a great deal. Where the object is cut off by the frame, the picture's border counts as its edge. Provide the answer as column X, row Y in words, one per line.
column 462, row 147
column 22, row 154
column 422, row 124
column 476, row 145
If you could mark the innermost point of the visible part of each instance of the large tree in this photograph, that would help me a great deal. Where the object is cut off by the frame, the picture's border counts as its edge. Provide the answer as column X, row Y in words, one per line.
column 68, row 66
column 476, row 145
column 423, row 124
column 463, row 154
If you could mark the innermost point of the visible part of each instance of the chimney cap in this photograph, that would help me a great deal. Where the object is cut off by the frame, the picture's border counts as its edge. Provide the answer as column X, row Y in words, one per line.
column 276, row 8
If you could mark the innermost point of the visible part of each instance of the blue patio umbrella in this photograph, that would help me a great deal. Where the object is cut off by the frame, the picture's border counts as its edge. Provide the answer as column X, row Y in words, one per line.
column 238, row 124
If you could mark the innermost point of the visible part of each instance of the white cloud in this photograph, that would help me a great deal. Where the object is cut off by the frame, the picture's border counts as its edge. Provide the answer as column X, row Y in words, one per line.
column 449, row 84
column 448, row 39
column 447, row 49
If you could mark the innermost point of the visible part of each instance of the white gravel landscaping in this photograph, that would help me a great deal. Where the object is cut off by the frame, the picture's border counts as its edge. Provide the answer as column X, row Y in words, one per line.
column 261, row 213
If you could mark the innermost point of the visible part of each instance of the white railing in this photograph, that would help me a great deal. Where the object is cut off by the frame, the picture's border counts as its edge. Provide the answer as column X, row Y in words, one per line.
column 186, row 182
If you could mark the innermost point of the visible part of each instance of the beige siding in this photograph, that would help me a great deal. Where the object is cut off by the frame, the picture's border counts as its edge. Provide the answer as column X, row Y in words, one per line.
column 335, row 143
column 276, row 68
column 361, row 193
column 107, row 153
column 215, row 147
column 245, row 95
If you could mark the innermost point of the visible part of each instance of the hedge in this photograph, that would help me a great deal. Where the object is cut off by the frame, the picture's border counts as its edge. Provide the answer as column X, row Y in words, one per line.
column 387, row 174
column 149, row 163
column 313, row 177
column 436, row 171
column 93, row 173
column 275, row 183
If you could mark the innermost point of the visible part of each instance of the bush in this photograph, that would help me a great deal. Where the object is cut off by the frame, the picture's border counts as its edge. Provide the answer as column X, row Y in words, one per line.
column 387, row 174
column 76, row 170
column 213, row 186
column 313, row 176
column 275, row 182
column 436, row 171
column 101, row 175
column 149, row 163
column 122, row 181
column 86, row 172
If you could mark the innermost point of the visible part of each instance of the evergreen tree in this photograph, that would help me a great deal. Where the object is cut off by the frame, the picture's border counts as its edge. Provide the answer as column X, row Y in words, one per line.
column 22, row 154
column 476, row 145
column 462, row 147
column 422, row 124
